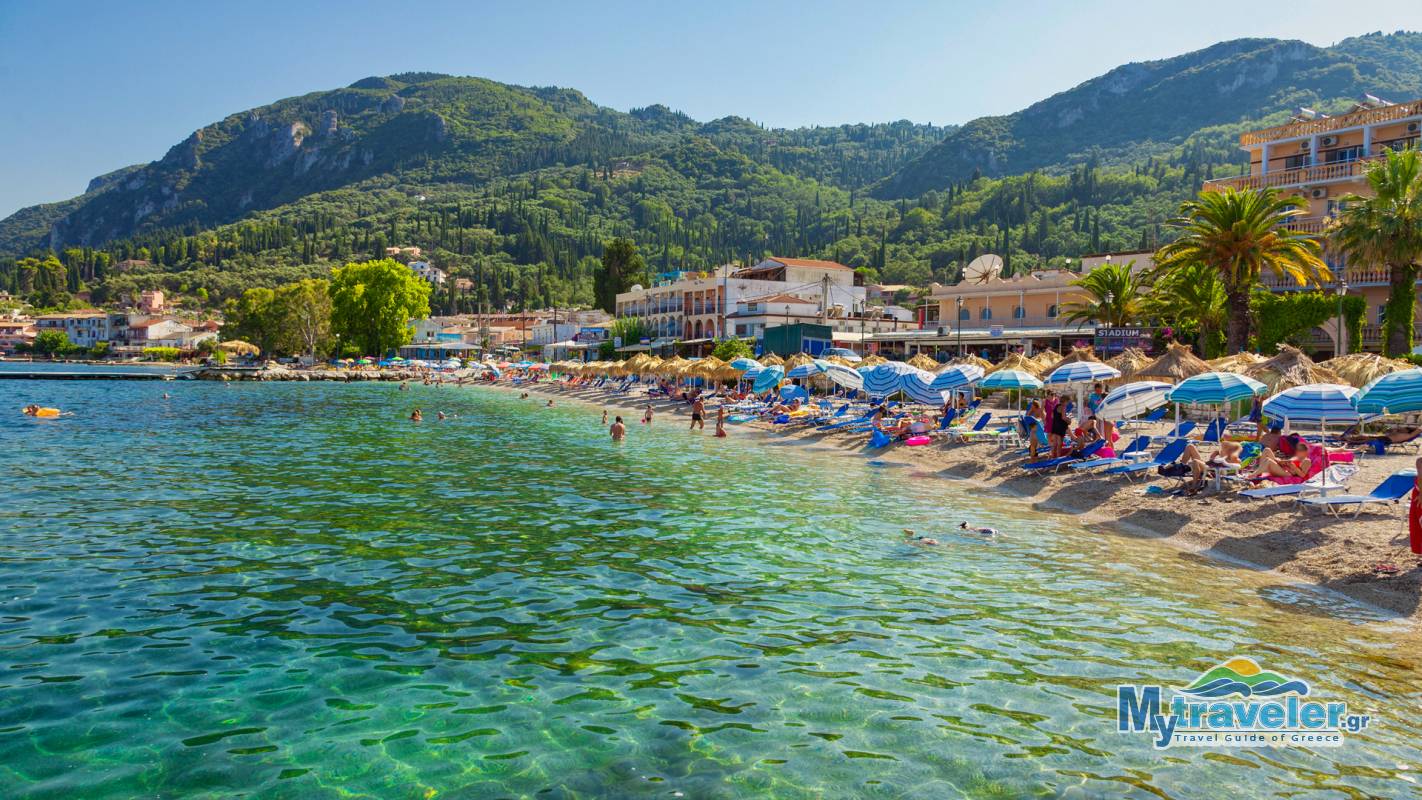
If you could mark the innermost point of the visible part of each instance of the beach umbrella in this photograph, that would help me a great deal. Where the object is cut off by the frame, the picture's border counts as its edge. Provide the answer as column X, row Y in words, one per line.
column 1134, row 399
column 1315, row 402
column 1178, row 363
column 1395, row 393
column 1216, row 388
column 1360, row 369
column 847, row 377
column 743, row 363
column 1291, row 367
column 873, row 361
column 1239, row 362
column 796, row 360
column 886, row 379
column 918, row 385
column 969, row 358
column 790, row 392
column 956, row 377
column 768, row 378
column 1019, row 363
column 1017, row 379
column 772, row 360
column 1132, row 359
column 241, row 348
column 808, row 369
column 924, row 362
column 1081, row 372
column 752, row 373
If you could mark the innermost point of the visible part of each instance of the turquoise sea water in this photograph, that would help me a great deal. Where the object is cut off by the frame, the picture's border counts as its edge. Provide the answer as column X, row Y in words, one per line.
column 287, row 590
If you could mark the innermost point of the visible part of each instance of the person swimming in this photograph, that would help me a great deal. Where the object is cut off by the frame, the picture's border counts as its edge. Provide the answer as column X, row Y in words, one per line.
column 417, row 416
column 550, row 403
column 440, row 415
column 920, row 541
column 984, row 531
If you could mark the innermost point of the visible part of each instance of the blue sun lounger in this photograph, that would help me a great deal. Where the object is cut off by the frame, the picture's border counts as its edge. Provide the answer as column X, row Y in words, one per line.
column 1180, row 432
column 1332, row 478
column 1167, row 455
column 1140, row 445
column 1055, row 464
column 1395, row 487
column 1154, row 416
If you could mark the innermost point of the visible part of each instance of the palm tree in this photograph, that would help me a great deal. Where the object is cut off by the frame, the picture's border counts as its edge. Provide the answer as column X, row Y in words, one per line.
column 1239, row 234
column 1387, row 229
column 1113, row 292
column 1191, row 296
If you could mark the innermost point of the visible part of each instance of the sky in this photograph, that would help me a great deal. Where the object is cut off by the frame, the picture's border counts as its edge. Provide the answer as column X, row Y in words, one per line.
column 88, row 87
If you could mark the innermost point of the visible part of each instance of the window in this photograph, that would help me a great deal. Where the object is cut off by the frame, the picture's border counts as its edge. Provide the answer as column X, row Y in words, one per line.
column 1052, row 311
column 1294, row 162
column 964, row 315
column 1382, row 313
column 740, row 330
column 1019, row 313
column 1345, row 154
column 986, row 313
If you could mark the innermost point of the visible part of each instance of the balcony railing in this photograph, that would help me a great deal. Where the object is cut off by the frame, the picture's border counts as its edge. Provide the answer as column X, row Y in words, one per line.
column 1319, row 173
column 1361, row 276
column 1367, row 116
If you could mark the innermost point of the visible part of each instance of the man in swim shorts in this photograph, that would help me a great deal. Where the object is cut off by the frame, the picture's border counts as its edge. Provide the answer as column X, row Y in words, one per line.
column 618, row 430
column 698, row 414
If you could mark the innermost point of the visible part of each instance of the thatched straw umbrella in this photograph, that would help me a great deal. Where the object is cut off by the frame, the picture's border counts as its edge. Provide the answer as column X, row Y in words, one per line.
column 1129, row 360
column 710, row 368
column 1046, row 358
column 969, row 358
column 1018, row 361
column 772, row 360
column 241, row 348
column 1077, row 354
column 1290, row 368
column 670, row 367
column 1238, row 363
column 1178, row 363
column 924, row 362
column 873, row 361
column 843, row 362
column 797, row 360
column 1360, row 369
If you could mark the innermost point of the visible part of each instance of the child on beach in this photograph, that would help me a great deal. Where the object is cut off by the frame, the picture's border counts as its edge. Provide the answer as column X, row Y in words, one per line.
column 647, row 415
column 720, row 421
column 604, row 416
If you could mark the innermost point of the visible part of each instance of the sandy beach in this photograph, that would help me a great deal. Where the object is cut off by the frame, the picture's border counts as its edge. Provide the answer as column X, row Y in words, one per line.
column 1348, row 555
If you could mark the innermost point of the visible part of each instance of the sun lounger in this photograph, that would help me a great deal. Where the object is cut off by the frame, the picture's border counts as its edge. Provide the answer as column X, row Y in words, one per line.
column 1140, row 445
column 1395, row 487
column 1180, row 432
column 1335, row 477
column 1057, row 463
column 1167, row 455
column 977, row 429
column 1214, row 431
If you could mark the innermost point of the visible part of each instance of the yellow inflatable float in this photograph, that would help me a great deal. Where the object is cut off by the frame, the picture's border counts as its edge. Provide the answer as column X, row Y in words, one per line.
column 39, row 411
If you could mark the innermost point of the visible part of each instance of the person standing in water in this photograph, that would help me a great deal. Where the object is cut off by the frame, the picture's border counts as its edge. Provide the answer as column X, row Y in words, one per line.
column 604, row 416
column 647, row 417
column 618, row 430
column 721, row 421
column 698, row 414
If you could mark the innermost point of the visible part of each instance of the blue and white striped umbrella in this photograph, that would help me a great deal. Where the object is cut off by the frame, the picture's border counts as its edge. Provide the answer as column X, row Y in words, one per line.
column 790, row 392
column 918, row 385
column 1215, row 388
column 956, row 377
column 1134, row 399
column 816, row 367
column 743, row 363
column 1082, row 372
column 1396, row 393
column 1010, row 379
column 1314, row 402
column 768, row 378
column 752, row 373
column 848, row 377
column 886, row 379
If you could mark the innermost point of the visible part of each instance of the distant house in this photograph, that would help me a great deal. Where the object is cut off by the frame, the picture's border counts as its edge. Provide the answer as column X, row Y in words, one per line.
column 15, row 332
column 151, row 302
column 84, row 328
column 433, row 274
column 130, row 264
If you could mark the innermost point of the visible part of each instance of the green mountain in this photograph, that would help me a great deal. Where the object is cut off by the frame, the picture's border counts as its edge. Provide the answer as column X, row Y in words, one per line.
column 517, row 188
column 1147, row 109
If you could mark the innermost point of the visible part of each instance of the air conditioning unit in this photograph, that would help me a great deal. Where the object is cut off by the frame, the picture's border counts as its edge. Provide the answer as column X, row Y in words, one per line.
column 942, row 331
column 1303, row 146
column 1414, row 127
column 1318, row 193
column 1328, row 141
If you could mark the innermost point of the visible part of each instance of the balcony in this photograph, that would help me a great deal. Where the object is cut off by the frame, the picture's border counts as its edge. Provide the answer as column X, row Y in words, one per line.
column 1367, row 116
column 1356, row 277
column 1288, row 178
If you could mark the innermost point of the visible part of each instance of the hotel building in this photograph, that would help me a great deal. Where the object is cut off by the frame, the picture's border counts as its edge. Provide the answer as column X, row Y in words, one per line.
column 1323, row 158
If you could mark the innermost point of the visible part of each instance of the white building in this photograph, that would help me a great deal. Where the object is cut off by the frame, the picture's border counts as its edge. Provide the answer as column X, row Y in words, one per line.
column 433, row 274
column 84, row 328
column 697, row 306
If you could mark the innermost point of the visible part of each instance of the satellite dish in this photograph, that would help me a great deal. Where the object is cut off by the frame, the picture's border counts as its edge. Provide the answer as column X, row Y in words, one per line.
column 983, row 268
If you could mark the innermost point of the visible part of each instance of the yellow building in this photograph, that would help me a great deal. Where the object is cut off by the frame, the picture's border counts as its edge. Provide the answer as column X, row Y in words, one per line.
column 1322, row 159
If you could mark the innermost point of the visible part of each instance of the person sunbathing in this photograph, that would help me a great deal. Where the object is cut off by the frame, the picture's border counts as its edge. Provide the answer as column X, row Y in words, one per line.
column 1228, row 453
column 1295, row 467
column 1397, row 435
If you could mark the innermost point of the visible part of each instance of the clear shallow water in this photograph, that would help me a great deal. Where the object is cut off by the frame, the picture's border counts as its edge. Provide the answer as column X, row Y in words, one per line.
column 287, row 590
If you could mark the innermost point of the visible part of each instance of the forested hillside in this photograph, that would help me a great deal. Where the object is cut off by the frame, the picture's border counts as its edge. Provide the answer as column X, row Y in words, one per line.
column 518, row 188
